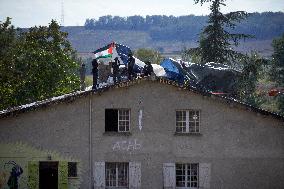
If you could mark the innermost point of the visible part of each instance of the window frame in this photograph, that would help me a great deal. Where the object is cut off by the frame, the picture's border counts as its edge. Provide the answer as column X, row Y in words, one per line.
column 109, row 180
column 187, row 168
column 119, row 121
column 187, row 122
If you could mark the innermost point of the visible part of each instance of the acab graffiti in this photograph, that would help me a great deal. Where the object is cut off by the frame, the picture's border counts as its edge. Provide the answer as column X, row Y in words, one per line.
column 127, row 145
column 15, row 173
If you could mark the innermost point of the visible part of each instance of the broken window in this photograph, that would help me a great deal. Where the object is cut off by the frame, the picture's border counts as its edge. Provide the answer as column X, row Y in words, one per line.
column 187, row 175
column 117, row 120
column 187, row 121
column 72, row 169
column 116, row 175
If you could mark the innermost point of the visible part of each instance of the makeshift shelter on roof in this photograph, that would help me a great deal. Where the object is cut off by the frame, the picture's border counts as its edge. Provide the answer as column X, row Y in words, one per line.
column 210, row 77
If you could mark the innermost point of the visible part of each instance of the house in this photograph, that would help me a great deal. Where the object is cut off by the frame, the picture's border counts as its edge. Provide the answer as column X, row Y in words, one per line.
column 141, row 134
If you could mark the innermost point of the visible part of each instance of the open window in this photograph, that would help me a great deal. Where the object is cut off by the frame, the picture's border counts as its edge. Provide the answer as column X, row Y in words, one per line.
column 117, row 120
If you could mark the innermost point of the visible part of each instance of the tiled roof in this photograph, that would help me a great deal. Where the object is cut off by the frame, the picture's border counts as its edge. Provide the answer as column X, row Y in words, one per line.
column 73, row 96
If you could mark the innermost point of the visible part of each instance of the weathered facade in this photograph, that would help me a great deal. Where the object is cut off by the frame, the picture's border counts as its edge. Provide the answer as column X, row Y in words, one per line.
column 164, row 137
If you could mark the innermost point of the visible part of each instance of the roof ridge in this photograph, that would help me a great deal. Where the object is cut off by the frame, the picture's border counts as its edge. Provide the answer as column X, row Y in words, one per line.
column 76, row 94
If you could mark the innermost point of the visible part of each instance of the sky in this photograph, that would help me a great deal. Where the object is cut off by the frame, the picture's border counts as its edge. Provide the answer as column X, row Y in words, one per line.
column 28, row 13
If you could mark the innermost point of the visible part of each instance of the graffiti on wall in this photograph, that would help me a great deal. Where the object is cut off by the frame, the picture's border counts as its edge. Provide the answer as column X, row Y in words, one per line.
column 19, row 165
column 127, row 145
column 12, row 180
column 14, row 175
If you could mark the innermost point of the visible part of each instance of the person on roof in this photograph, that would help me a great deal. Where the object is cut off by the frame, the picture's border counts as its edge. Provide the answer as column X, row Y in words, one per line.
column 130, row 65
column 148, row 68
column 82, row 77
column 115, row 67
column 182, row 64
column 95, row 73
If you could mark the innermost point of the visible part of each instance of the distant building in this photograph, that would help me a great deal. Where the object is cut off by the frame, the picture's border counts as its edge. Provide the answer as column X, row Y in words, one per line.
column 143, row 134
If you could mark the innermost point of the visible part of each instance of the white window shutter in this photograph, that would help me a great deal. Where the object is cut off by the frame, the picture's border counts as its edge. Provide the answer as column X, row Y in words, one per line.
column 99, row 175
column 134, row 175
column 204, row 175
column 169, row 173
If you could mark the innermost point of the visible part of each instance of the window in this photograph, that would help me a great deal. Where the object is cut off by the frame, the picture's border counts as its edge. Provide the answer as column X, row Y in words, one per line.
column 116, row 175
column 187, row 121
column 187, row 175
column 72, row 169
column 117, row 120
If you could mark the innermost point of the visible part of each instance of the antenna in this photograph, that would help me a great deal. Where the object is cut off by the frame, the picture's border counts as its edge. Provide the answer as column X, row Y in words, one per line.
column 62, row 13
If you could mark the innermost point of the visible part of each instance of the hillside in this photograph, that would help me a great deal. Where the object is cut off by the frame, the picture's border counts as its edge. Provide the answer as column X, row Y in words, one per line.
column 169, row 34
column 88, row 40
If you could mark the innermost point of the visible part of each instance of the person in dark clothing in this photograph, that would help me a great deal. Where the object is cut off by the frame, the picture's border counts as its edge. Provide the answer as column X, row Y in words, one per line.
column 182, row 64
column 95, row 73
column 115, row 68
column 14, row 176
column 148, row 68
column 82, row 77
column 130, row 65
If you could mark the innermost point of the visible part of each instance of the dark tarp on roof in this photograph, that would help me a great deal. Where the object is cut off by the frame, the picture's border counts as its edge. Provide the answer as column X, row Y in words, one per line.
column 210, row 77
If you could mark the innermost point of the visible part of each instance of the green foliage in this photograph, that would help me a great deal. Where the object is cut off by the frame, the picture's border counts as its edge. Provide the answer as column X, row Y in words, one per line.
column 63, row 175
column 191, row 55
column 215, row 40
column 33, row 175
column 89, row 80
column 264, row 25
column 252, row 67
column 277, row 71
column 149, row 55
column 278, row 61
column 36, row 64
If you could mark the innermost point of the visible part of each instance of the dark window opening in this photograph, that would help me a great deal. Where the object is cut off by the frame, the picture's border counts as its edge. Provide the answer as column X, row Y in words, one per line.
column 72, row 169
column 111, row 120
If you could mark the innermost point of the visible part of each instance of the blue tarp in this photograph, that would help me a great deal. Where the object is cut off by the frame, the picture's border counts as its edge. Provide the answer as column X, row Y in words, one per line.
column 210, row 77
column 173, row 70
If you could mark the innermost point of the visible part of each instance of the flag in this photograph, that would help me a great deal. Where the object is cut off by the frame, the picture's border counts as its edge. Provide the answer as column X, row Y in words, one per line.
column 107, row 53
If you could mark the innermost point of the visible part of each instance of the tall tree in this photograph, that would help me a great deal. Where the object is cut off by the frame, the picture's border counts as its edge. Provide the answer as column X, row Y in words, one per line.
column 8, row 44
column 39, row 64
column 247, row 83
column 277, row 72
column 215, row 40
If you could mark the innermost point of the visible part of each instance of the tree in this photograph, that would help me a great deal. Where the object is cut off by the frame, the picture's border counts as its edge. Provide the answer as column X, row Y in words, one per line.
column 149, row 55
column 277, row 71
column 215, row 40
column 39, row 64
column 247, row 83
column 8, row 42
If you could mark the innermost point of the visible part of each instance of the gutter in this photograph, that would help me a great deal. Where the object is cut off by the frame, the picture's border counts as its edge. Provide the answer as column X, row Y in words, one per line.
column 90, row 142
